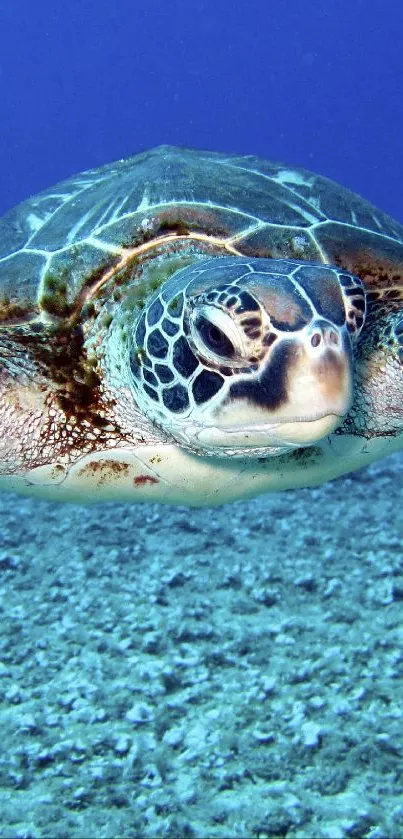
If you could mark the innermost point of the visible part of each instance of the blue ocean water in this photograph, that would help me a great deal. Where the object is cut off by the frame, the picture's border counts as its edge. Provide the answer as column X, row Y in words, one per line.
column 226, row 673
column 318, row 85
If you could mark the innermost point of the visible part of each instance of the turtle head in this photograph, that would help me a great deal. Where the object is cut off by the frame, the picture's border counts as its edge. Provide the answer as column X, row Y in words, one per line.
column 238, row 356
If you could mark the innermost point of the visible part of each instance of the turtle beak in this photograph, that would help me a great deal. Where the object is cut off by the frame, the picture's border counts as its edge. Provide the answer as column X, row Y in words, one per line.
column 318, row 383
column 302, row 394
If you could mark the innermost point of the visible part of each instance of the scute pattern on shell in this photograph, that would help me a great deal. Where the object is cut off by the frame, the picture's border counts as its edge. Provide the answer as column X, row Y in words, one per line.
column 55, row 242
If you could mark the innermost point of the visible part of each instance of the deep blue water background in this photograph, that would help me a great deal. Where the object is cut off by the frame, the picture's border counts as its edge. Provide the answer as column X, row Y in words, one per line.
column 317, row 84
column 194, row 612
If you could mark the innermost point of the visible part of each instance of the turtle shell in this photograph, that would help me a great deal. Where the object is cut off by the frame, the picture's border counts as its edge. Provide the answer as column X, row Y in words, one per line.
column 58, row 244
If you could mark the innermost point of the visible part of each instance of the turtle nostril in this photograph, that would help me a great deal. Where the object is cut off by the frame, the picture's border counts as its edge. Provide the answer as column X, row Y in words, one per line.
column 326, row 336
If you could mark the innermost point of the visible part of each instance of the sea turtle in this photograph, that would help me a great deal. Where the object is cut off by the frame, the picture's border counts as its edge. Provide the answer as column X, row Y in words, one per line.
column 193, row 327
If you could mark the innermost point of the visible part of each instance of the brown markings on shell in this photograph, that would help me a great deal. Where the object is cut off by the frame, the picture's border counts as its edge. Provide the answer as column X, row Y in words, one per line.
column 174, row 243
column 380, row 275
column 275, row 242
column 174, row 221
column 54, row 297
column 376, row 259
column 182, row 220
column 180, row 246
column 104, row 471
column 141, row 480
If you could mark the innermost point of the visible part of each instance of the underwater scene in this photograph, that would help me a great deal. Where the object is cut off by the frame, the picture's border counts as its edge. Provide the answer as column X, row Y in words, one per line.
column 201, row 418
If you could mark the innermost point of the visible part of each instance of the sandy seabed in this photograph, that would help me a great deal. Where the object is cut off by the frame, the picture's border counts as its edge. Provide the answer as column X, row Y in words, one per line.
column 235, row 672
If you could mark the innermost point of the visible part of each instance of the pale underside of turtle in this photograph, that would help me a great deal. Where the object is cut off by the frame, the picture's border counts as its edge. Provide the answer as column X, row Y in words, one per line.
column 194, row 328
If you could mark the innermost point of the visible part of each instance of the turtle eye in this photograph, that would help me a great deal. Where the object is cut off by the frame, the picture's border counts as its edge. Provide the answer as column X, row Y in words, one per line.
column 214, row 338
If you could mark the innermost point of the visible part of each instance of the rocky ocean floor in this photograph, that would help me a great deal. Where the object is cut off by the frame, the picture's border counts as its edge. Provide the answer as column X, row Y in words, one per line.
column 235, row 672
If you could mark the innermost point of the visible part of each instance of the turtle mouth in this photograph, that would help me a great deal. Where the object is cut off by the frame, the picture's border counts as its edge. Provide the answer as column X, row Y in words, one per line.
column 272, row 439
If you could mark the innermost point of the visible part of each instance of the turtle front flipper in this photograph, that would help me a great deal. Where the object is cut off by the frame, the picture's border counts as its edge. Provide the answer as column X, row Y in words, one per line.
column 377, row 410
column 23, row 408
column 52, row 412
